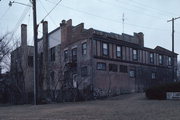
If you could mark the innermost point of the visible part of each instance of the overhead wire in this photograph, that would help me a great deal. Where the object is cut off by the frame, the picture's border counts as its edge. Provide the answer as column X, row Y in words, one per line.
column 51, row 10
column 41, row 4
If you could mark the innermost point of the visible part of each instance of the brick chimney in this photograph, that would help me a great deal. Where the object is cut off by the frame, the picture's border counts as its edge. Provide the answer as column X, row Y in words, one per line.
column 66, row 32
column 23, row 35
column 140, row 37
column 45, row 56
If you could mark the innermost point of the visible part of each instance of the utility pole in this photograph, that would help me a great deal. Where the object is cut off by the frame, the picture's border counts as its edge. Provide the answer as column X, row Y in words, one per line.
column 172, row 20
column 35, row 53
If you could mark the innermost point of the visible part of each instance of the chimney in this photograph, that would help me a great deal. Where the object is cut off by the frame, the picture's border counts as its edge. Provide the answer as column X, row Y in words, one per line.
column 141, row 38
column 23, row 35
column 45, row 56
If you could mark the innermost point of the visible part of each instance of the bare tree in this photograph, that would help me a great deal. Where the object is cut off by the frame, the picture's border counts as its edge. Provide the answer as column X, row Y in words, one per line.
column 5, row 51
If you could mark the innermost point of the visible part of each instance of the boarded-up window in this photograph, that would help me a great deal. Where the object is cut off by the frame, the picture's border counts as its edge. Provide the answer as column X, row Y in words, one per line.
column 123, row 68
column 132, row 73
column 113, row 67
column 74, row 54
column 65, row 55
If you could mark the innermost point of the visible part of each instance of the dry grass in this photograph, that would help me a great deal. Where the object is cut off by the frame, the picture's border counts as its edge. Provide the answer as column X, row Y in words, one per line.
column 124, row 107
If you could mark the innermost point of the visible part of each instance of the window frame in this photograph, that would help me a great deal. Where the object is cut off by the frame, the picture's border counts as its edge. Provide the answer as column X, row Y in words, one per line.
column 135, row 56
column 151, row 58
column 74, row 57
column 84, row 48
column 53, row 54
column 134, row 75
column 122, row 70
column 66, row 55
column 169, row 60
column 161, row 60
column 120, row 52
column 102, row 63
column 113, row 67
column 105, row 49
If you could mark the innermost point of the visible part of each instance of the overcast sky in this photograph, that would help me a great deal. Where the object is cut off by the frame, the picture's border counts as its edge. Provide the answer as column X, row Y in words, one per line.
column 147, row 16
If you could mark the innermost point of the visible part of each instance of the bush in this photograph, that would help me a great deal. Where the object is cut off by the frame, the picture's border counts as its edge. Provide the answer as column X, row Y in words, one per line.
column 159, row 92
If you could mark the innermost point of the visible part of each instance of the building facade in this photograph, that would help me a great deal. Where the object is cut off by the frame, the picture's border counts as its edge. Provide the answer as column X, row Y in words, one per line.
column 79, row 64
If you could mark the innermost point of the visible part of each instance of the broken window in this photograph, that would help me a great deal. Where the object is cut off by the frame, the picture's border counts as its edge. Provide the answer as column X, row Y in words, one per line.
column 123, row 69
column 74, row 54
column 52, row 54
column 101, row 66
column 105, row 49
column 84, row 48
column 113, row 67
column 30, row 61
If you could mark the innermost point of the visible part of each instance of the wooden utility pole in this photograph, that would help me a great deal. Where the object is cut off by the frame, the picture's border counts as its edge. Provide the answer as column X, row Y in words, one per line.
column 172, row 20
column 35, row 53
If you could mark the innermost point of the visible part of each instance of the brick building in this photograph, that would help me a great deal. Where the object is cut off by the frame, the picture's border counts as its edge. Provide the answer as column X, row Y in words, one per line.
column 78, row 63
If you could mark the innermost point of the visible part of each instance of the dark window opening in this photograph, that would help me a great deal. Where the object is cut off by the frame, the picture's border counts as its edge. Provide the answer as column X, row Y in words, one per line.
column 84, row 71
column 30, row 61
column 52, row 54
column 123, row 69
column 113, row 67
column 52, row 78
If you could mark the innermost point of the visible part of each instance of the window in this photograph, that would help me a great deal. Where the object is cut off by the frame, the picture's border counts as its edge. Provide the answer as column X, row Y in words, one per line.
column 113, row 67
column 84, row 71
column 30, row 61
column 84, row 48
column 52, row 53
column 118, row 51
column 74, row 54
column 105, row 49
column 169, row 61
column 153, row 75
column 160, row 59
column 132, row 73
column 52, row 78
column 65, row 55
column 151, row 58
column 135, row 54
column 101, row 66
column 123, row 68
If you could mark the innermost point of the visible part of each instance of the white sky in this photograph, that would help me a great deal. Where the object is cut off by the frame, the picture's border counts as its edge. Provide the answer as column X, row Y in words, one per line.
column 147, row 16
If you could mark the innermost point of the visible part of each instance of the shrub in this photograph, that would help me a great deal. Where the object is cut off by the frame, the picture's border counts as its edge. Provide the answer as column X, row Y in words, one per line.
column 159, row 92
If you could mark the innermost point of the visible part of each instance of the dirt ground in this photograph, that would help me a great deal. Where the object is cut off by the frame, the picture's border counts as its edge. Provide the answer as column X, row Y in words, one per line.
column 124, row 107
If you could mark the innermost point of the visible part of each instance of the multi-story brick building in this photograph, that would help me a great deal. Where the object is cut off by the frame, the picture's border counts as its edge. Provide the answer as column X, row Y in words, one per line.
column 78, row 63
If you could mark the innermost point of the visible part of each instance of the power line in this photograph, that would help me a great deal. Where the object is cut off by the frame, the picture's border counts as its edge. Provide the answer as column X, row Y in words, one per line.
column 46, row 11
column 51, row 10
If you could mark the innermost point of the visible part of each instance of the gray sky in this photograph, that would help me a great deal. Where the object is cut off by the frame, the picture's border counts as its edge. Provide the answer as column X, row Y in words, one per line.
column 147, row 16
